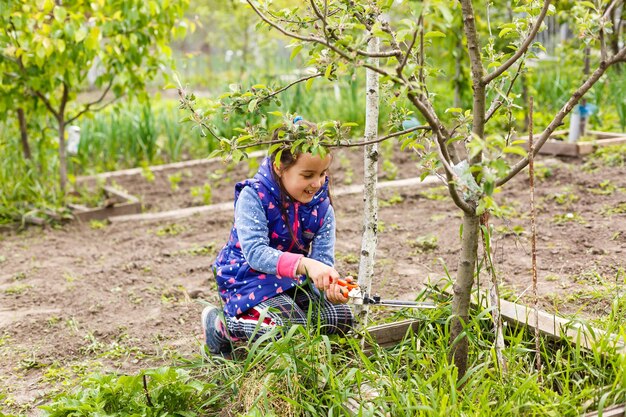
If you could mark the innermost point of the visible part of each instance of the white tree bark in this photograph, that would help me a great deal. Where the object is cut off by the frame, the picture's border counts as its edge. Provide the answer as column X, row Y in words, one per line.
column 370, row 200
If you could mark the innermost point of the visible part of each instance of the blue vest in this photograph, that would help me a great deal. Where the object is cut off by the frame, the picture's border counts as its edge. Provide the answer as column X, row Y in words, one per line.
column 240, row 286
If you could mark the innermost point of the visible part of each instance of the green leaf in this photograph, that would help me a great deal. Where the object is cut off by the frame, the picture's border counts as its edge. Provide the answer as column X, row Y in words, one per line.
column 308, row 84
column 588, row 4
column 488, row 187
column 259, row 86
column 275, row 113
column 244, row 137
column 434, row 34
column 454, row 110
column 80, row 34
column 504, row 31
column 518, row 150
column 60, row 14
column 252, row 105
column 238, row 155
column 445, row 12
column 295, row 52
column 329, row 70
column 93, row 40
column 60, row 45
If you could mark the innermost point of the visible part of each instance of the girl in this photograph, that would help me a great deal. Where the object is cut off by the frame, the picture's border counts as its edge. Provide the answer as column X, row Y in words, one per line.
column 284, row 230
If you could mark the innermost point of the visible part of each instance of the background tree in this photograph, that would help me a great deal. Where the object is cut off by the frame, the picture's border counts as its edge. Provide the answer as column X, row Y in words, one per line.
column 47, row 50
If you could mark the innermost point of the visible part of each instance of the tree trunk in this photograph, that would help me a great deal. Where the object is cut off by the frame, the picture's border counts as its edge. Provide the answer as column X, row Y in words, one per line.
column 60, row 115
column 462, row 293
column 370, row 200
column 23, row 133
column 62, row 156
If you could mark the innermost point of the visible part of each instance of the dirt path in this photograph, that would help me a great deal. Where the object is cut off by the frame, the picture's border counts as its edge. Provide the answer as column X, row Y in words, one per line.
column 128, row 296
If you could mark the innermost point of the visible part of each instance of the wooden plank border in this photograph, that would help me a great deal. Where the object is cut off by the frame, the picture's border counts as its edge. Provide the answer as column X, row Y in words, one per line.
column 120, row 204
column 228, row 206
column 615, row 411
column 575, row 149
column 551, row 325
column 158, row 168
column 556, row 327
column 389, row 334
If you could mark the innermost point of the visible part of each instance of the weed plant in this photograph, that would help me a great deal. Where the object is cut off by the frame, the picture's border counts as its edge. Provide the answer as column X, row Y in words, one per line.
column 310, row 374
column 26, row 186
column 136, row 134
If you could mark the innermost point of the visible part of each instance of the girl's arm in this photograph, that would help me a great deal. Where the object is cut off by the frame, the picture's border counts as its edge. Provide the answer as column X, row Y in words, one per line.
column 323, row 245
column 319, row 263
column 253, row 232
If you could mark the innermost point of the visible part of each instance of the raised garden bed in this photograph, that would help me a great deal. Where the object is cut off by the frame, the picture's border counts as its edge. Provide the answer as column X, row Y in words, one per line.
column 557, row 145
column 117, row 203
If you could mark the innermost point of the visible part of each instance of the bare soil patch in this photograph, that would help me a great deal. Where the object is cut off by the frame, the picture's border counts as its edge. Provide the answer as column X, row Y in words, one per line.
column 128, row 296
column 213, row 182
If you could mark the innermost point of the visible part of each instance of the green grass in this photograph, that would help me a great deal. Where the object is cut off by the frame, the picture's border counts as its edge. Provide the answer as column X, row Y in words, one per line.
column 306, row 373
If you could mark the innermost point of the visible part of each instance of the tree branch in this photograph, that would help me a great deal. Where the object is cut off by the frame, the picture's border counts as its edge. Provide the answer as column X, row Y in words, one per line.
column 185, row 103
column 400, row 68
column 607, row 12
column 473, row 48
column 288, row 86
column 64, row 97
column 295, row 35
column 46, row 102
column 420, row 61
column 521, row 50
column 384, row 138
column 88, row 106
column 441, row 135
column 558, row 119
column 314, row 39
column 383, row 73
column 497, row 103
column 606, row 16
column 397, row 51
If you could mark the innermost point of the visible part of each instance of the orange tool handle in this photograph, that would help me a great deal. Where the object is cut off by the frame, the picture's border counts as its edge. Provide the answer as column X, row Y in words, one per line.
column 350, row 285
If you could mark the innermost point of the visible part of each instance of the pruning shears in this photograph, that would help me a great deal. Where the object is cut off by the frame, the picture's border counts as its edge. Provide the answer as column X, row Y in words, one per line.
column 353, row 291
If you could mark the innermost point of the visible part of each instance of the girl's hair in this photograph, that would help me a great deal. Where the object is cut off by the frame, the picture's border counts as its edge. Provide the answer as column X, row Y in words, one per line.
column 287, row 160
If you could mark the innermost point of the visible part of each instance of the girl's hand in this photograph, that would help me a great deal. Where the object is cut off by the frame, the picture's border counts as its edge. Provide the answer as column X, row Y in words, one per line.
column 323, row 276
column 337, row 294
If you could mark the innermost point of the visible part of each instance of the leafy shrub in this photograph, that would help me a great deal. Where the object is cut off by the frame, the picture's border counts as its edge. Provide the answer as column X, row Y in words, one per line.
column 169, row 391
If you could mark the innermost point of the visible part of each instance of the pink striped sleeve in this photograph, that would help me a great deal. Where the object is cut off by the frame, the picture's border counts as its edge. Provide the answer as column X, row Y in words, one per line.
column 287, row 264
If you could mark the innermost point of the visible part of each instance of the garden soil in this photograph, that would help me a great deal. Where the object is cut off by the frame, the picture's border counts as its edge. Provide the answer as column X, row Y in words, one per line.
column 123, row 297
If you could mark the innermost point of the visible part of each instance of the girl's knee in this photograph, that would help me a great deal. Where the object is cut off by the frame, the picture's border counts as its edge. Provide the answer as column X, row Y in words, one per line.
column 340, row 319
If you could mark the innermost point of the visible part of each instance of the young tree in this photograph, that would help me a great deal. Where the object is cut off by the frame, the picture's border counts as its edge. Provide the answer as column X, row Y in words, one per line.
column 465, row 146
column 47, row 49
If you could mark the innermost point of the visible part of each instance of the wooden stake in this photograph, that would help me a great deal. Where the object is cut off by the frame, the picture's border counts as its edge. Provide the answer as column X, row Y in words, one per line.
column 494, row 293
column 533, row 239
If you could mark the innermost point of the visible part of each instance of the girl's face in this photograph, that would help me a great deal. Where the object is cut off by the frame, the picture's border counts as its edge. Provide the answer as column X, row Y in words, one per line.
column 304, row 178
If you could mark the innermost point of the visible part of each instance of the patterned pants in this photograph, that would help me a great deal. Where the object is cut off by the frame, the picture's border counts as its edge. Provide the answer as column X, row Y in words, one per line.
column 295, row 306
